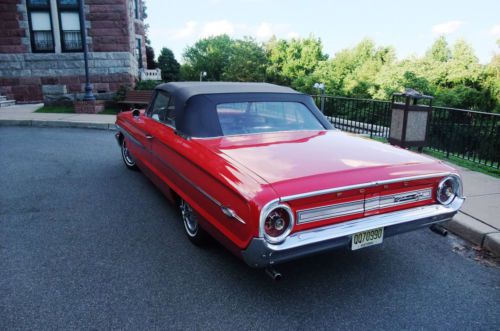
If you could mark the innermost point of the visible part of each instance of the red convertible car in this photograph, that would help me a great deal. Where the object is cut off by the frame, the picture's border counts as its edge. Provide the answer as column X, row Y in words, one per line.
column 258, row 167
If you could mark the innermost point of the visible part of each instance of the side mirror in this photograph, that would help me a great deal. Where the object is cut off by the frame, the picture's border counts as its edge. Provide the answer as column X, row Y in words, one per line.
column 136, row 112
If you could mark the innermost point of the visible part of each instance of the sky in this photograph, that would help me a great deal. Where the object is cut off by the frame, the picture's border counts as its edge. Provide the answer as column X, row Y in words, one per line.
column 409, row 26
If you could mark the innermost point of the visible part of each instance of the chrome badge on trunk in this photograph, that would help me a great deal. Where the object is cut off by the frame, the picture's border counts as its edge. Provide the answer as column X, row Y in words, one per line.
column 360, row 206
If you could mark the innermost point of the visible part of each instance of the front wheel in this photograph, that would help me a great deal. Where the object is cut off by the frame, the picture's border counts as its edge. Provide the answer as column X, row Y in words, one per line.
column 194, row 232
column 127, row 157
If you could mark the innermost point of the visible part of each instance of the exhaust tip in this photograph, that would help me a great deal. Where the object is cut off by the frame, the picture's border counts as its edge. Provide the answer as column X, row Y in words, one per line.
column 275, row 275
column 436, row 228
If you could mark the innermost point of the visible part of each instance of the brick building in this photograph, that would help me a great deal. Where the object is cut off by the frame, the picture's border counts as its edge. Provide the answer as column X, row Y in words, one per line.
column 41, row 54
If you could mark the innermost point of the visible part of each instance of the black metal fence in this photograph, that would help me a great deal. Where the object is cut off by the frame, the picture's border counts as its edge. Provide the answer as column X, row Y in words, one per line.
column 470, row 135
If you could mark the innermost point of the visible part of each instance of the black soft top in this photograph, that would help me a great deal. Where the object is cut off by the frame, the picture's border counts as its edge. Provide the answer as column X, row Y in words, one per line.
column 196, row 102
column 185, row 90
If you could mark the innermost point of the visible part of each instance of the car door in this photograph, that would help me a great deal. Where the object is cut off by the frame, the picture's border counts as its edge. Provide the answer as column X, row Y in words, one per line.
column 161, row 119
column 139, row 140
column 144, row 129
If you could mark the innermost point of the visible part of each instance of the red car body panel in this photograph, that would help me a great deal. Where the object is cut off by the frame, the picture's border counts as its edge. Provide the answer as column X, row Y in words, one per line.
column 246, row 173
column 296, row 162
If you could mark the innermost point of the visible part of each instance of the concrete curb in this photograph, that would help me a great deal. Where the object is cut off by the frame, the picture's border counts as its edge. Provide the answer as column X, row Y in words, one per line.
column 478, row 233
column 58, row 124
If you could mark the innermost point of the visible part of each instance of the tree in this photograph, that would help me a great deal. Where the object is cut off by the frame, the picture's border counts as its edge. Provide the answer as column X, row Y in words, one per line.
column 491, row 82
column 291, row 61
column 353, row 72
column 439, row 51
column 464, row 67
column 150, row 58
column 211, row 55
column 150, row 53
column 247, row 62
column 170, row 68
column 453, row 75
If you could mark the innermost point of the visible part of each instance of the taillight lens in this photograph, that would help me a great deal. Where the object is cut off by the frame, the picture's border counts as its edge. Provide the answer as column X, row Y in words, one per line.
column 448, row 188
column 277, row 221
column 278, row 224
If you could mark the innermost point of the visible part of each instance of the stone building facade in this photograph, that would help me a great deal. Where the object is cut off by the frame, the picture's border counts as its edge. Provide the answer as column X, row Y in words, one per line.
column 41, row 54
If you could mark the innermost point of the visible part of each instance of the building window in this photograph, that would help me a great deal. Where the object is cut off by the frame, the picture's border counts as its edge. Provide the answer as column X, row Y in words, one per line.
column 69, row 25
column 136, row 9
column 138, row 52
column 40, row 23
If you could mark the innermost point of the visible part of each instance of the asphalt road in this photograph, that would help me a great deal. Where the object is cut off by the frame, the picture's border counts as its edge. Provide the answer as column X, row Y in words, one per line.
column 85, row 243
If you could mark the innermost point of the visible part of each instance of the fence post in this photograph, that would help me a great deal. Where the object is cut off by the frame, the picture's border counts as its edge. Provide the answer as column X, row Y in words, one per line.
column 372, row 119
column 448, row 143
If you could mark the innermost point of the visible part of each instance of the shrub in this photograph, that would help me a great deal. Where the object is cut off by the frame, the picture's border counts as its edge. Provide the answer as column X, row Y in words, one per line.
column 147, row 84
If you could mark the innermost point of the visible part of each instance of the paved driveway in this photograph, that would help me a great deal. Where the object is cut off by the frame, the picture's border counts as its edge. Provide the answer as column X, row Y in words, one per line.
column 85, row 243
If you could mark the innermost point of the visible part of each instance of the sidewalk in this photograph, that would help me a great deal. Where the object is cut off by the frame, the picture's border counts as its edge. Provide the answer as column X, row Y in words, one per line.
column 24, row 115
column 478, row 221
column 479, row 218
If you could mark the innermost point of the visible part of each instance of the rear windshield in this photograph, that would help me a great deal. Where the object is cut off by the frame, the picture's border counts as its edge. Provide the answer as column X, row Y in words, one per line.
column 256, row 117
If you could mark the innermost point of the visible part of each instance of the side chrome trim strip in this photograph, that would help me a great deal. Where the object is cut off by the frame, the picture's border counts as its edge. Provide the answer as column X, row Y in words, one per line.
column 131, row 137
column 359, row 186
column 225, row 210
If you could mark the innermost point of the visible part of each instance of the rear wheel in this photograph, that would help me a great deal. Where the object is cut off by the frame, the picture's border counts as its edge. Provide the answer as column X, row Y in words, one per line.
column 126, row 156
column 194, row 232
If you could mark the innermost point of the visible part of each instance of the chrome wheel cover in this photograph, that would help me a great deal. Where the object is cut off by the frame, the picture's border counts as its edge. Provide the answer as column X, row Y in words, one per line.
column 126, row 155
column 189, row 218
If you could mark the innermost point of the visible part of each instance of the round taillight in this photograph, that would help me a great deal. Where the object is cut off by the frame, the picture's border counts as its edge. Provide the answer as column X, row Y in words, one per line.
column 448, row 188
column 278, row 224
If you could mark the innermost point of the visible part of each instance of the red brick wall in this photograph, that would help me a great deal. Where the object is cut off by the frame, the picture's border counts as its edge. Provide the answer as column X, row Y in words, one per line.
column 10, row 32
column 109, row 25
column 30, row 88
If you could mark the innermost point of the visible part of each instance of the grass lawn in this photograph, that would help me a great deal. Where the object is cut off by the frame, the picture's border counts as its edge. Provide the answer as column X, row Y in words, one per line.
column 464, row 163
column 55, row 109
column 456, row 160
column 70, row 110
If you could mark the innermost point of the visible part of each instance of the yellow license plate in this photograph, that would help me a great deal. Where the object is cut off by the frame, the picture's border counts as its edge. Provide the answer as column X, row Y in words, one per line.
column 367, row 238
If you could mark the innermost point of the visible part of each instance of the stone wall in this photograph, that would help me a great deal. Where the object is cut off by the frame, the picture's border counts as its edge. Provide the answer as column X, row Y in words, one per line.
column 109, row 25
column 28, row 77
column 112, row 32
column 13, row 27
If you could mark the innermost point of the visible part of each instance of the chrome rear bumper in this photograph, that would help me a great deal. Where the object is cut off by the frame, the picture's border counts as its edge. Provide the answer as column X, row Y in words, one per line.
column 260, row 253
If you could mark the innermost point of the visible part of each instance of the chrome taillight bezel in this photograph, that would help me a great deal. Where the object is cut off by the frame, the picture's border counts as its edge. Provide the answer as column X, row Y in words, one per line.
column 456, row 183
column 270, row 207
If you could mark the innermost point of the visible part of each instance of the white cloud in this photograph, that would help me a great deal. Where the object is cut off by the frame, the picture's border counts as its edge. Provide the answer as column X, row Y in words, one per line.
column 192, row 30
column 216, row 28
column 186, row 31
column 446, row 27
column 495, row 30
column 264, row 31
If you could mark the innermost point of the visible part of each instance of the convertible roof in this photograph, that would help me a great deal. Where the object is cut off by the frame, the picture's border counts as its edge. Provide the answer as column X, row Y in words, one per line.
column 196, row 102
column 185, row 90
